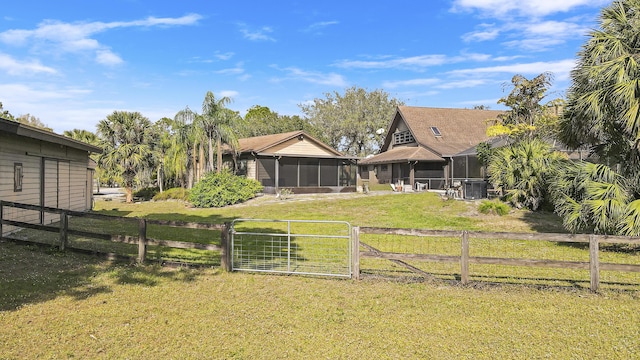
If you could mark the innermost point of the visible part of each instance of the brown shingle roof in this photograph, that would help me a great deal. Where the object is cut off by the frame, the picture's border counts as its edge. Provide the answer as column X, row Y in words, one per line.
column 259, row 144
column 460, row 129
column 402, row 154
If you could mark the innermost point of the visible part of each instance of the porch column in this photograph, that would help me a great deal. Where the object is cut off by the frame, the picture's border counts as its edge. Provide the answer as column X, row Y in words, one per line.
column 277, row 180
column 412, row 173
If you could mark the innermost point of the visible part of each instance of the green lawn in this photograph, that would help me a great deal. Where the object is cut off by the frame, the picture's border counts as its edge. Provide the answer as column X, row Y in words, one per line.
column 66, row 305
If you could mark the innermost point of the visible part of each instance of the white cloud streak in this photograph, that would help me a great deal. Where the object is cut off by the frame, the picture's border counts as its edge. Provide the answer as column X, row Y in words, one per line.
column 76, row 37
column 21, row 67
column 509, row 8
column 561, row 69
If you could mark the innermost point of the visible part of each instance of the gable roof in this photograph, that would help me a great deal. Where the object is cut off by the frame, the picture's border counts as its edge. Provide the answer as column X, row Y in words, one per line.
column 459, row 129
column 259, row 144
column 19, row 129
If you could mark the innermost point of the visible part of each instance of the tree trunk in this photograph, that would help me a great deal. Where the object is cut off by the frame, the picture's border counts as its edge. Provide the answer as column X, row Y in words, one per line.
column 129, row 192
column 210, row 153
column 159, row 176
column 202, row 164
column 219, row 154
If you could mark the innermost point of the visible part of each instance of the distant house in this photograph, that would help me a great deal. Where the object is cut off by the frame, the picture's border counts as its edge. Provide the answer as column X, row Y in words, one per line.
column 429, row 147
column 294, row 160
column 41, row 168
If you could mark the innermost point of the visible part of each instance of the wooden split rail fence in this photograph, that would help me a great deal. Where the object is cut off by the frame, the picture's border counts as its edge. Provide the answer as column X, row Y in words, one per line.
column 360, row 248
column 464, row 259
column 141, row 239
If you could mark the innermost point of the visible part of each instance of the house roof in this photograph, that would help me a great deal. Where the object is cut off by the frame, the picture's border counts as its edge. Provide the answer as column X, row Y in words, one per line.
column 402, row 154
column 260, row 144
column 16, row 128
column 459, row 129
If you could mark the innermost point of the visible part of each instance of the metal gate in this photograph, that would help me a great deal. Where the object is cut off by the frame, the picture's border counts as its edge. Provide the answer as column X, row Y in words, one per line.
column 291, row 247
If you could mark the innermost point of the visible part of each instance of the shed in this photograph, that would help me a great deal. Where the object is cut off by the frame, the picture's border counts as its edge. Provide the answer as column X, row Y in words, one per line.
column 38, row 167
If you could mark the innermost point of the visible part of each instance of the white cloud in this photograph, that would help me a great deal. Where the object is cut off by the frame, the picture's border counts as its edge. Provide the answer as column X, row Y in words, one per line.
column 229, row 93
column 317, row 27
column 16, row 67
column 412, row 82
column 237, row 70
column 561, row 69
column 407, row 62
column 469, row 83
column 485, row 33
column 77, row 37
column 256, row 35
column 330, row 79
column 106, row 57
column 538, row 8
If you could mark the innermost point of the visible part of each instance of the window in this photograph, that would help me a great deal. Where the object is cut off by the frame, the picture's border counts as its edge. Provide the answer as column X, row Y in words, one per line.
column 403, row 137
column 436, row 131
column 17, row 177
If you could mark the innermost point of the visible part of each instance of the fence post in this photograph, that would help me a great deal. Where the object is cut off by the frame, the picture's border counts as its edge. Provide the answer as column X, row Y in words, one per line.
column 142, row 240
column 464, row 258
column 1, row 217
column 64, row 225
column 225, row 245
column 594, row 263
column 355, row 253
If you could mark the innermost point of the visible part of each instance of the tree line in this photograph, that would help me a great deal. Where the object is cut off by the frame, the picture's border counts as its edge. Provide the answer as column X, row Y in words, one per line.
column 179, row 151
column 600, row 115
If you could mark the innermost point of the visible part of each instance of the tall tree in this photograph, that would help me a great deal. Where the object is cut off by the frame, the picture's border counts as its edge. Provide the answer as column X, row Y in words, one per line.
column 5, row 114
column 185, row 145
column 127, row 137
column 603, row 114
column 31, row 120
column 260, row 120
column 603, row 105
column 527, row 116
column 217, row 123
column 349, row 122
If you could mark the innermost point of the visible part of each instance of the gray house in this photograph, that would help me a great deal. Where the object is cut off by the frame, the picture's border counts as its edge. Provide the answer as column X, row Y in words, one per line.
column 430, row 147
column 42, row 168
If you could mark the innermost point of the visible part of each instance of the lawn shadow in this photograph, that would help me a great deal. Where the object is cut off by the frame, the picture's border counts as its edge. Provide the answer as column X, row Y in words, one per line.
column 544, row 221
column 36, row 273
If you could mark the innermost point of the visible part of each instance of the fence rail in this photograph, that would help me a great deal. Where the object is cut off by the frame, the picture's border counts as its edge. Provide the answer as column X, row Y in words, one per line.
column 141, row 239
column 593, row 265
column 360, row 246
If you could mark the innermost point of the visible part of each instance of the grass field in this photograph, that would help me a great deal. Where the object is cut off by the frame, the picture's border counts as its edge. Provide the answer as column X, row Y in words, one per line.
column 65, row 305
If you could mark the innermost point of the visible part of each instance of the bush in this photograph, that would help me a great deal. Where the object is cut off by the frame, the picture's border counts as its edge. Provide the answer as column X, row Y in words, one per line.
column 494, row 207
column 218, row 190
column 173, row 194
column 146, row 194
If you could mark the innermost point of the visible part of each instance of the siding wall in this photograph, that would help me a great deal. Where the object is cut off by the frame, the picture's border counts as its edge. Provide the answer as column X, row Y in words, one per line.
column 299, row 148
column 65, row 178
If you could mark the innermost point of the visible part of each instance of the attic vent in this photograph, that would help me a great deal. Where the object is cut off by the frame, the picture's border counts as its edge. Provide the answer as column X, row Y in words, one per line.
column 436, row 131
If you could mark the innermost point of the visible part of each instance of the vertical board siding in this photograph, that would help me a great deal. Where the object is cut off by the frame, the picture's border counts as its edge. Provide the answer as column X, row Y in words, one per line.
column 78, row 184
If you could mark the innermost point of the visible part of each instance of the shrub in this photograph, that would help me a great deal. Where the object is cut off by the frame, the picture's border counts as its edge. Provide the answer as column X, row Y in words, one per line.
column 222, row 189
column 173, row 194
column 146, row 194
column 493, row 207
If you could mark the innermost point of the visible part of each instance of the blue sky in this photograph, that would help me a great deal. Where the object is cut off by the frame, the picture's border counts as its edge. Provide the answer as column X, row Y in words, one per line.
column 71, row 63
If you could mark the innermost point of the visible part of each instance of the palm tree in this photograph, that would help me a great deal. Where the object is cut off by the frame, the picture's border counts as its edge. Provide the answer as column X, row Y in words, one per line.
column 590, row 197
column 185, row 145
column 603, row 113
column 522, row 171
column 127, row 136
column 218, row 127
column 603, row 106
